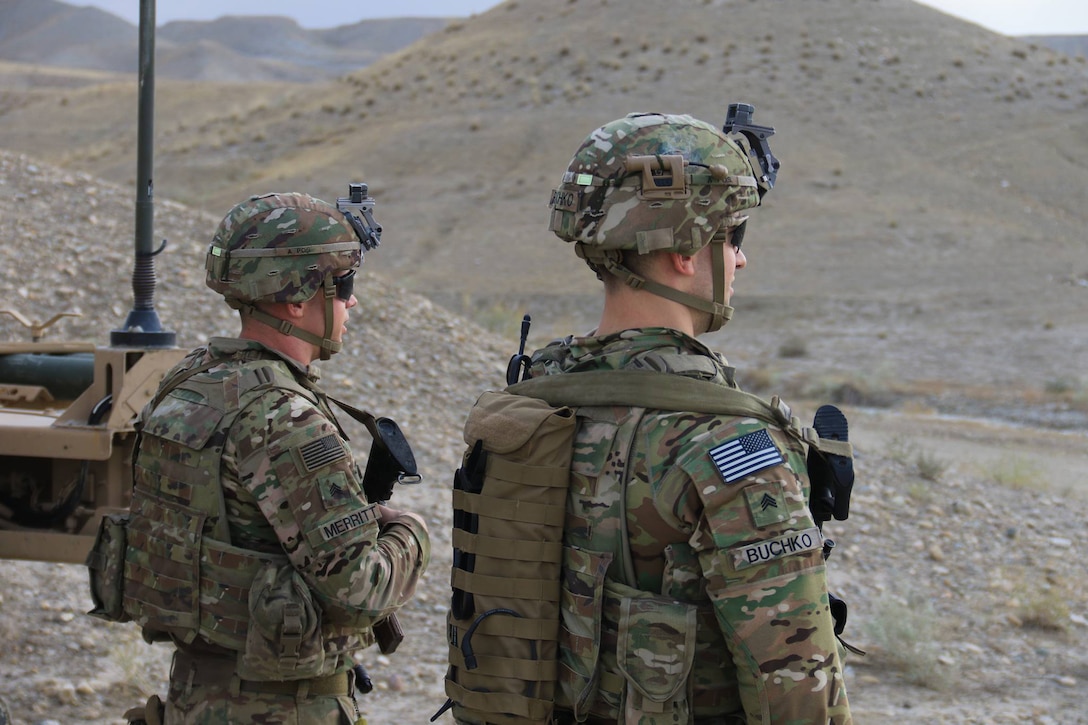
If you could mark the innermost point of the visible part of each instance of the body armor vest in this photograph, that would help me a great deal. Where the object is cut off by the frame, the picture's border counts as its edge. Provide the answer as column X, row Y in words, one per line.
column 183, row 579
column 624, row 634
column 618, row 643
column 624, row 654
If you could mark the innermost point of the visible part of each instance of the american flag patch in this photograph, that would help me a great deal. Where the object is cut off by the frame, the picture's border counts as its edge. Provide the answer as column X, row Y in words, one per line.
column 744, row 456
column 321, row 452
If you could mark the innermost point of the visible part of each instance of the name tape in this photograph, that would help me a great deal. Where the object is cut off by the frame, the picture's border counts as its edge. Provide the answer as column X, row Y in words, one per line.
column 780, row 547
column 563, row 200
column 352, row 521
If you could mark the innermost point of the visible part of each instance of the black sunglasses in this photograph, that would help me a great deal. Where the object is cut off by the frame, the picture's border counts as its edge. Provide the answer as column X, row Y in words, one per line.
column 738, row 235
column 345, row 285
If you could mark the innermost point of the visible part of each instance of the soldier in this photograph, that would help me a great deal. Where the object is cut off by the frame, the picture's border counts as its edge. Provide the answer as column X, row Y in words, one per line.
column 705, row 511
column 251, row 545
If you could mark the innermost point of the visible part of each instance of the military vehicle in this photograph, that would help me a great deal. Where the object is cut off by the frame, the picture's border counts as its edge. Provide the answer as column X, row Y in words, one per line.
column 67, row 408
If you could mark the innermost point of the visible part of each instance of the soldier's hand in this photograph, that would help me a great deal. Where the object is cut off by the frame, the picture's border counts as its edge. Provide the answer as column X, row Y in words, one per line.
column 388, row 515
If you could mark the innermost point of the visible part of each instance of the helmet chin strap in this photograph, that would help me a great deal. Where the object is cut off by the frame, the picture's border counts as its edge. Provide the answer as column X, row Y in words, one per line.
column 325, row 345
column 720, row 313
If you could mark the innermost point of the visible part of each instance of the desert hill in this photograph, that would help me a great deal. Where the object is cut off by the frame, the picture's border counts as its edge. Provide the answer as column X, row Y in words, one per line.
column 49, row 32
column 274, row 49
column 927, row 227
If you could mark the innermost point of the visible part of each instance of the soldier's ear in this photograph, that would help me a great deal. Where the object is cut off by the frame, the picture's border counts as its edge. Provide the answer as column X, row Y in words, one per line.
column 295, row 310
column 682, row 264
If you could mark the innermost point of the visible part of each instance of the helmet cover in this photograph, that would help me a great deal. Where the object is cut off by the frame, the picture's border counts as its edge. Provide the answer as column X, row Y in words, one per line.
column 625, row 188
column 279, row 248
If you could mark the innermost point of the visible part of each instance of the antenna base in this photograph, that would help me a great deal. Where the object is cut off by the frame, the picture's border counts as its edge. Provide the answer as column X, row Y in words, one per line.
column 142, row 329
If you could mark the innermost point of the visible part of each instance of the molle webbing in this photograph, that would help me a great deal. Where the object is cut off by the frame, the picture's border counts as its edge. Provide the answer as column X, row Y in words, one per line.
column 178, row 578
column 509, row 504
column 182, row 575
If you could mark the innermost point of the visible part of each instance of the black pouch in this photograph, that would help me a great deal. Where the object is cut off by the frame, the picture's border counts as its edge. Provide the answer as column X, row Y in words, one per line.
column 106, row 568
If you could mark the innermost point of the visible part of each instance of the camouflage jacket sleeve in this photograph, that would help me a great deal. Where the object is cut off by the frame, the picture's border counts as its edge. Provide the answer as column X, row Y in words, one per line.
column 291, row 459
column 761, row 555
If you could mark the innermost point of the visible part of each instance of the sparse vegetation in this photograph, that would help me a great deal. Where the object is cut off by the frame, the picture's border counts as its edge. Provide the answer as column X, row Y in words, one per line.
column 930, row 466
column 925, row 463
column 496, row 315
column 901, row 450
column 1065, row 387
column 1015, row 472
column 905, row 632
column 1045, row 609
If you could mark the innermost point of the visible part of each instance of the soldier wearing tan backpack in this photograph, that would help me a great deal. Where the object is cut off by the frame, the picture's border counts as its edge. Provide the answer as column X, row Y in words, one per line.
column 633, row 535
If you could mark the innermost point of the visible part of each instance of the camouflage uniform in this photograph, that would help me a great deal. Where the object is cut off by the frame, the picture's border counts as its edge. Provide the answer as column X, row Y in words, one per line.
column 251, row 545
column 734, row 554
column 693, row 588
column 290, row 486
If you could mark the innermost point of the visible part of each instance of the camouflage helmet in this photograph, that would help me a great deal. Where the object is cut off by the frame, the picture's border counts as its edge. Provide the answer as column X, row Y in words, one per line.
column 656, row 182
column 279, row 248
column 653, row 181
column 284, row 248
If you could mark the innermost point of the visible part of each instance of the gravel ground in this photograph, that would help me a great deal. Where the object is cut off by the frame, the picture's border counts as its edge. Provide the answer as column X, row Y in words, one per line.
column 966, row 577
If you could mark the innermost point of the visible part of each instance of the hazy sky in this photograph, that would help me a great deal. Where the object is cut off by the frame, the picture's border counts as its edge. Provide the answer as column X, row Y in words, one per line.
column 1011, row 17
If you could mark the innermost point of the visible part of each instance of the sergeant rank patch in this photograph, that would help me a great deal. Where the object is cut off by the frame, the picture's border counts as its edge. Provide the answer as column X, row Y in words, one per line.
column 744, row 456
column 767, row 503
column 335, row 490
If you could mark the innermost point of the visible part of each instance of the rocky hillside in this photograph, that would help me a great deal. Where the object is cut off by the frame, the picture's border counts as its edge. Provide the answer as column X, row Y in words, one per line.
column 921, row 157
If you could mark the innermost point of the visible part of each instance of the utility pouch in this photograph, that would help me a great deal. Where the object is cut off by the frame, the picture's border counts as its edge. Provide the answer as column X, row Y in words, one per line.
column 106, row 568
column 582, row 601
column 655, row 651
column 284, row 639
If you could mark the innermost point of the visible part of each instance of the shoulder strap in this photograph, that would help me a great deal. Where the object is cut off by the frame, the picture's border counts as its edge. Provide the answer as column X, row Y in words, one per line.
column 665, row 391
column 649, row 389
column 360, row 416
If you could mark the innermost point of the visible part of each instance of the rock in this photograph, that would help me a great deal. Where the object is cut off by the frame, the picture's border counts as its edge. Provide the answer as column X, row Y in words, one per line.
column 395, row 682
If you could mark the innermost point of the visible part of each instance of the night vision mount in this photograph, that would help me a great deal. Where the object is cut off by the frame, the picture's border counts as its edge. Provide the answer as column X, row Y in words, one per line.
column 358, row 207
column 738, row 119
